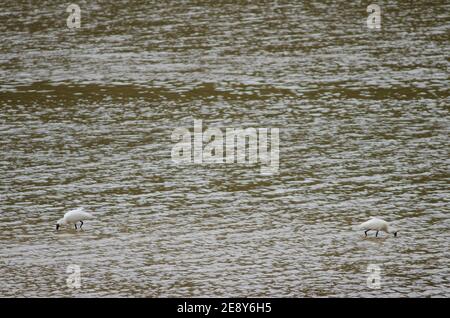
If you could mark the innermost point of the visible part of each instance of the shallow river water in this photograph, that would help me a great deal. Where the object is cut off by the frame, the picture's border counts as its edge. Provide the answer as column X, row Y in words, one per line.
column 86, row 118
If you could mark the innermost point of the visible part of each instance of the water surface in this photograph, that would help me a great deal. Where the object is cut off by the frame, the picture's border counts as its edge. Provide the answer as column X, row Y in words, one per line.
column 86, row 118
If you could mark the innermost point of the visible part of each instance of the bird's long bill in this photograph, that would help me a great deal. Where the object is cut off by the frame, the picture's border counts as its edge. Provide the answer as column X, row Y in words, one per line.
column 57, row 227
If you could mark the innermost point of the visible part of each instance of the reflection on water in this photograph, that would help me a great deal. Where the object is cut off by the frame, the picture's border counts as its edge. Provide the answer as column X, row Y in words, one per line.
column 86, row 118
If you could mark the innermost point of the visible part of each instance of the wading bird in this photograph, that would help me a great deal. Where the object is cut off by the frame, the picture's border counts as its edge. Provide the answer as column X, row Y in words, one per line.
column 375, row 224
column 73, row 217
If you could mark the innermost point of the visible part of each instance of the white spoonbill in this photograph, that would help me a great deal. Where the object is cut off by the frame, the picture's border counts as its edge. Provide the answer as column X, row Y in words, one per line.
column 375, row 224
column 73, row 217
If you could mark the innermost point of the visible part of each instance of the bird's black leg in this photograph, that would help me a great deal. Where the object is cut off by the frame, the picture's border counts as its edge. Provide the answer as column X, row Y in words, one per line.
column 81, row 224
column 365, row 232
column 376, row 235
column 75, row 226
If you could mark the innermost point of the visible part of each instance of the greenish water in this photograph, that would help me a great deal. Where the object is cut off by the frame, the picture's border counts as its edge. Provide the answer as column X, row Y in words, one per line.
column 86, row 118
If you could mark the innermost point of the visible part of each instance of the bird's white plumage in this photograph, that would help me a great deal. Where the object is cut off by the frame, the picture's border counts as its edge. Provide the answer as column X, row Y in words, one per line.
column 374, row 224
column 74, row 216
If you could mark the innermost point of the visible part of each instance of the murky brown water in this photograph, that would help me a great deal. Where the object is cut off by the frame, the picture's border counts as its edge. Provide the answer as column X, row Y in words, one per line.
column 86, row 120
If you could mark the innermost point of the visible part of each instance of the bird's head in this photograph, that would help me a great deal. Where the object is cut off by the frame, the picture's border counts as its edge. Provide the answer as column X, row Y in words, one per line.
column 393, row 231
column 59, row 223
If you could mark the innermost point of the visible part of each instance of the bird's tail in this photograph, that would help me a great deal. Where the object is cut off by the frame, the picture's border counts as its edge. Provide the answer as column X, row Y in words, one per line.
column 88, row 215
